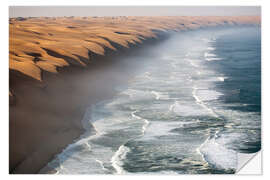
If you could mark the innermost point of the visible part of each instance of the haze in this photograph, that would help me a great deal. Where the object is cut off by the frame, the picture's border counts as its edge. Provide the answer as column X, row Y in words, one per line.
column 56, row 11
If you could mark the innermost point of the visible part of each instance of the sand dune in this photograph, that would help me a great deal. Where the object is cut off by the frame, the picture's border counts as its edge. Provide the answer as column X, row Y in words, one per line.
column 60, row 66
column 79, row 36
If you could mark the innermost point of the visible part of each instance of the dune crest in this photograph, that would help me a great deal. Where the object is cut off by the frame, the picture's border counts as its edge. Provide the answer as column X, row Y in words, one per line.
column 72, row 37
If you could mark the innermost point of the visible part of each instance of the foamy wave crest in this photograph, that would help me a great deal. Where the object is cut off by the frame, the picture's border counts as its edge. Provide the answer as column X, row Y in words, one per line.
column 211, row 48
column 172, row 106
column 200, row 102
column 211, row 57
column 157, row 94
column 134, row 115
column 206, row 54
column 206, row 95
column 161, row 95
column 218, row 155
column 146, row 122
column 117, row 158
column 222, row 78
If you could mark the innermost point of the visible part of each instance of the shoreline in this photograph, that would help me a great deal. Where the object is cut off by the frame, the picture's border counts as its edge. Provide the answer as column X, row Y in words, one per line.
column 56, row 136
column 43, row 121
column 68, row 151
column 49, row 170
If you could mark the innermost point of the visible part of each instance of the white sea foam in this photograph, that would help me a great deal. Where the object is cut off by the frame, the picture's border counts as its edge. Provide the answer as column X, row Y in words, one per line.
column 211, row 57
column 206, row 54
column 167, row 173
column 171, row 108
column 185, row 109
column 160, row 128
column 222, row 78
column 135, row 116
column 161, row 95
column 206, row 95
column 200, row 102
column 218, row 155
column 117, row 158
column 200, row 147
column 157, row 94
column 146, row 123
column 211, row 48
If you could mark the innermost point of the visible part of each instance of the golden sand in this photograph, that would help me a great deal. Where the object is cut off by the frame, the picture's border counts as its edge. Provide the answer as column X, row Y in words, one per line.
column 76, row 36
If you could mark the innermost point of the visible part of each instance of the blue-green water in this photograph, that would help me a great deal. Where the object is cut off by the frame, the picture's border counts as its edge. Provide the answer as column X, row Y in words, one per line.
column 192, row 108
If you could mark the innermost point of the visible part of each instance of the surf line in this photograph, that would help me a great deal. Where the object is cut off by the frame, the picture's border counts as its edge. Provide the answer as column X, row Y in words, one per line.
column 201, row 103
column 122, row 151
column 212, row 138
column 212, row 158
column 199, row 149
column 117, row 158
column 146, row 122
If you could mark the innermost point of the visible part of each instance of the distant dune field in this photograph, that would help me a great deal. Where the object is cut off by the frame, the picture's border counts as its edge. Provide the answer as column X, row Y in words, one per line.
column 46, row 107
column 32, row 38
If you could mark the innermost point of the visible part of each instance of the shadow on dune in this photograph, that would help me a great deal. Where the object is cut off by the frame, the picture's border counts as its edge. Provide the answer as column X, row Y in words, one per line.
column 46, row 116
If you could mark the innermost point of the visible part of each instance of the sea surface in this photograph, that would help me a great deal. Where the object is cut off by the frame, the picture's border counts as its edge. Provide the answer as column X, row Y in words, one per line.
column 192, row 108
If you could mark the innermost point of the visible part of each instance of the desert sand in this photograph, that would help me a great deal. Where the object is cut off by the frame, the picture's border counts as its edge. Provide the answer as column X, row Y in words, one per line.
column 60, row 66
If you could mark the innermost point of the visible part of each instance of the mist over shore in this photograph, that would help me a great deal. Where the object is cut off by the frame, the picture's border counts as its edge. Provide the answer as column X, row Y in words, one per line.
column 60, row 66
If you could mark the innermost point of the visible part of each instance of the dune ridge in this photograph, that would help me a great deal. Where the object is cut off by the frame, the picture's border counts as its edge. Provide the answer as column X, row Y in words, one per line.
column 79, row 36
column 47, row 100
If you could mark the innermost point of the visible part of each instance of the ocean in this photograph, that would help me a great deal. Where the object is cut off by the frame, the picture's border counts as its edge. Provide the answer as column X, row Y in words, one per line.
column 192, row 108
